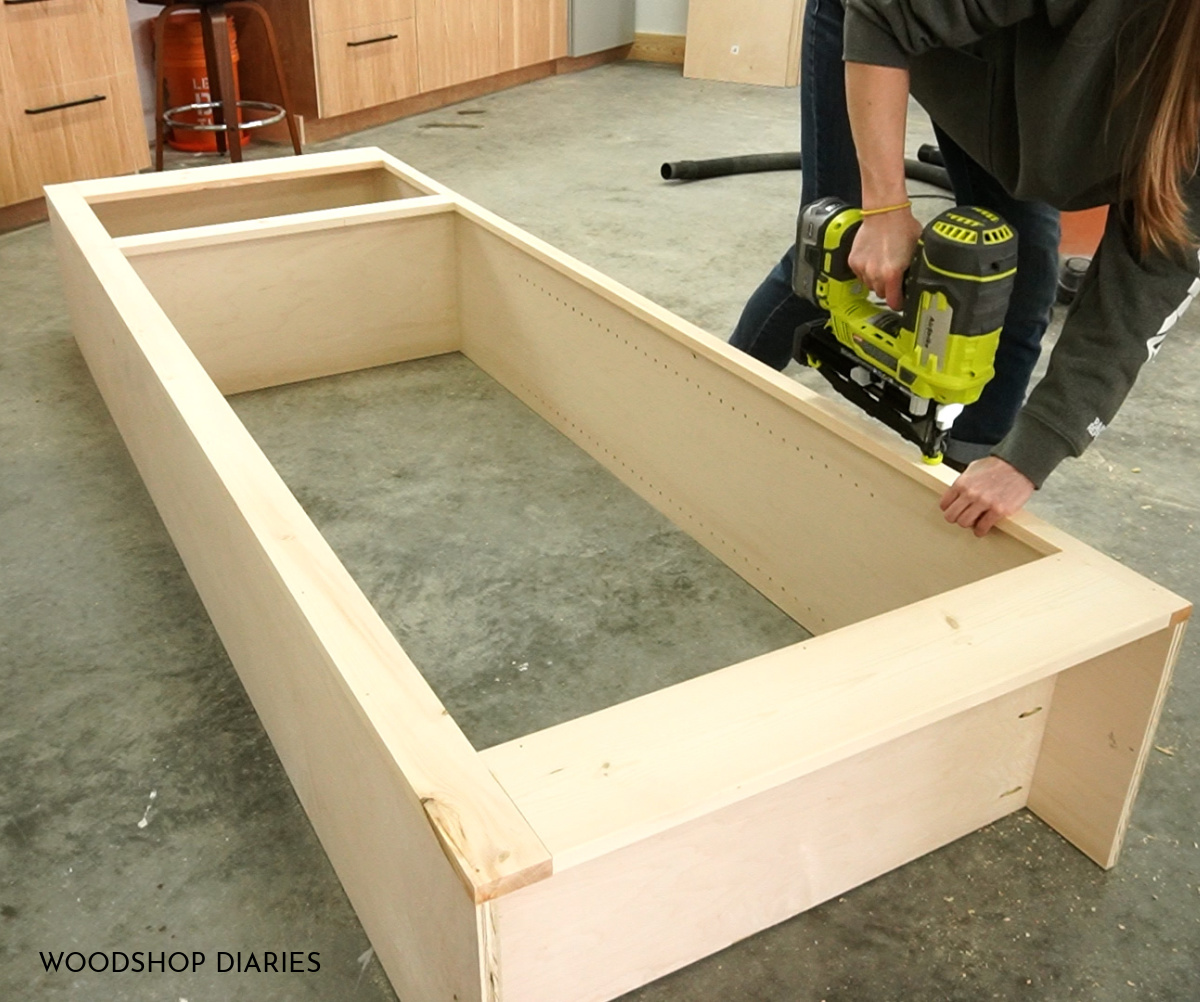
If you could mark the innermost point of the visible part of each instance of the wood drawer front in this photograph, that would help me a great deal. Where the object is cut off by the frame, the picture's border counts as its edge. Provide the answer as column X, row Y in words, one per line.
column 62, row 41
column 363, row 67
column 93, row 139
column 341, row 15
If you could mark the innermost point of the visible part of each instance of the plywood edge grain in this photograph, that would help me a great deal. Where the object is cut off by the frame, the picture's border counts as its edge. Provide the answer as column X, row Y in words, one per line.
column 224, row 175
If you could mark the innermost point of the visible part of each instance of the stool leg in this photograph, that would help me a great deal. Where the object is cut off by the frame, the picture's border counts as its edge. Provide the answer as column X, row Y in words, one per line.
column 219, row 57
column 284, row 98
column 160, row 83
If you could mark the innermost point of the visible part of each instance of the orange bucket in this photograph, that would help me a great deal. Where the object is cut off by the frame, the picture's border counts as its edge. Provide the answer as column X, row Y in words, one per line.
column 186, row 75
column 1081, row 231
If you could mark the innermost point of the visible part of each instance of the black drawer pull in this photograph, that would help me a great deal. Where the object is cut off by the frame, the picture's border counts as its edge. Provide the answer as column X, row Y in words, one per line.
column 66, row 104
column 13, row 3
column 372, row 41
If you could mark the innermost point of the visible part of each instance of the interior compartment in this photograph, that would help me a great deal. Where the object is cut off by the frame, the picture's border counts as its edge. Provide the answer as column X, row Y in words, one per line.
column 827, row 531
column 251, row 198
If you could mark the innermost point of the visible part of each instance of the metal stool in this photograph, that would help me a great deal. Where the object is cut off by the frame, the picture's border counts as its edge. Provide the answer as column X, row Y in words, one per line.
column 218, row 56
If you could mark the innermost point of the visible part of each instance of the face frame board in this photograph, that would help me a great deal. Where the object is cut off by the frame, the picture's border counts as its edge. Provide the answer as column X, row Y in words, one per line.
column 949, row 681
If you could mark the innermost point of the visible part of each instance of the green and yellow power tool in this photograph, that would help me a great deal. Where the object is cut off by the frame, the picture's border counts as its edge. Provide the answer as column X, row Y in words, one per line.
column 915, row 371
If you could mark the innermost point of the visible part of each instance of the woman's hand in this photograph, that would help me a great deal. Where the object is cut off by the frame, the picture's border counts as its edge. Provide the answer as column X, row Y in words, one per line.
column 990, row 489
column 883, row 249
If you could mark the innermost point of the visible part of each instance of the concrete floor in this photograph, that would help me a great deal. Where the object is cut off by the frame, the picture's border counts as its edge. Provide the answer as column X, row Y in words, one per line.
column 118, row 705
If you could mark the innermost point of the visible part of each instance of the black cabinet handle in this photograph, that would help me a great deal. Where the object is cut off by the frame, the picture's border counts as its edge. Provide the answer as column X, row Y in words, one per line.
column 66, row 104
column 13, row 3
column 372, row 41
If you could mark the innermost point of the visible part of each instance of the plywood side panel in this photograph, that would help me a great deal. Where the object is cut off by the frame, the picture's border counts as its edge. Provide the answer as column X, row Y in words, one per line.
column 822, row 528
column 269, row 195
column 294, row 605
column 280, row 309
column 756, row 41
column 596, row 931
column 1098, row 738
column 614, row 777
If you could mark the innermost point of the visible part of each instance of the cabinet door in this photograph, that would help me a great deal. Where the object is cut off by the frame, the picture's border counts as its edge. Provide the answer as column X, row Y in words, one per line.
column 363, row 67
column 71, row 107
column 90, row 128
column 341, row 15
column 8, row 163
column 52, row 41
column 457, row 41
column 532, row 32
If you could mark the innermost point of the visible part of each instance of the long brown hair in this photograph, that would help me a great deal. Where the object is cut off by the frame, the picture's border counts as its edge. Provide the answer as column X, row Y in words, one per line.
column 1168, row 150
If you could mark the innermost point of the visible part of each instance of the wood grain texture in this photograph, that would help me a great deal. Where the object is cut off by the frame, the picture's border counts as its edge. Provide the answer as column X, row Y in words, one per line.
column 60, row 42
column 458, row 41
column 295, row 318
column 532, row 32
column 366, row 66
column 596, row 931
column 752, row 42
column 57, row 53
column 340, row 15
column 650, row 47
column 1102, row 728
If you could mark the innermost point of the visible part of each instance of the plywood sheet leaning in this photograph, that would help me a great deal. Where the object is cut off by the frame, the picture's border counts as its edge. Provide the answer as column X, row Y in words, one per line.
column 949, row 682
column 755, row 42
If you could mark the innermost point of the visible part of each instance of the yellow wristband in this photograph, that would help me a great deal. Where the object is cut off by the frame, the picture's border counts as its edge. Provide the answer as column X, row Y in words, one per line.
column 888, row 208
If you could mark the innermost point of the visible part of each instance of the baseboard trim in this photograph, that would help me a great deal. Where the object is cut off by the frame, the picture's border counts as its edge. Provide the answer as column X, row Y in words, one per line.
column 20, row 214
column 317, row 130
column 651, row 47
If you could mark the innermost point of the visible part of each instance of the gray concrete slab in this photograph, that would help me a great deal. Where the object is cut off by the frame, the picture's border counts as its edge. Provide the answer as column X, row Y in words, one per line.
column 118, row 705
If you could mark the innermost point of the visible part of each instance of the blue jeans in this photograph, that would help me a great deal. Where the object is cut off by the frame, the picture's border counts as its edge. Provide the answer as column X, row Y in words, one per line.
column 830, row 167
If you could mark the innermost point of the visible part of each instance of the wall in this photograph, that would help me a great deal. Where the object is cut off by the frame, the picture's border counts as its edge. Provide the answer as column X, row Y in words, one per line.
column 663, row 17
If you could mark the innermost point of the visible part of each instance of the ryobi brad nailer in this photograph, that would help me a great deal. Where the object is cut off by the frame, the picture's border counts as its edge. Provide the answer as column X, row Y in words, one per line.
column 914, row 371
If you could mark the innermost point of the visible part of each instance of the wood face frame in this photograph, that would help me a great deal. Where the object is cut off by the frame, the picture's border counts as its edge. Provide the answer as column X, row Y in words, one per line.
column 950, row 680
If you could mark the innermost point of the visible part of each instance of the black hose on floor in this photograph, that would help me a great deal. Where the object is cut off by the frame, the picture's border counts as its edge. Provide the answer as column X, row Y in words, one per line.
column 699, row 170
column 914, row 170
column 927, row 153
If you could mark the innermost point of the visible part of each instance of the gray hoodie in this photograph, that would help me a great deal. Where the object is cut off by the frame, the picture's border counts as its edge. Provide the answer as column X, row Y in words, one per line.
column 1026, row 87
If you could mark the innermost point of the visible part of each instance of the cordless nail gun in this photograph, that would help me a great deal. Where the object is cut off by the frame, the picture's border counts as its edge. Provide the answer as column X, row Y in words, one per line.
column 915, row 371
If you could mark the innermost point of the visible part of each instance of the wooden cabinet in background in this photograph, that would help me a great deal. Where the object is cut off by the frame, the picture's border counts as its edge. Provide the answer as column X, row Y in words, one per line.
column 459, row 41
column 69, row 101
column 344, row 56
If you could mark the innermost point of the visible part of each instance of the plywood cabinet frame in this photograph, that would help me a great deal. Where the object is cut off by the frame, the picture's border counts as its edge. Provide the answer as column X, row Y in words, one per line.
column 950, row 681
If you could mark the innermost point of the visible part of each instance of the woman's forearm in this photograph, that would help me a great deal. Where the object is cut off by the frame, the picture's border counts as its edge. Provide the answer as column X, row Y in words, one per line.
column 877, row 101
